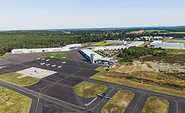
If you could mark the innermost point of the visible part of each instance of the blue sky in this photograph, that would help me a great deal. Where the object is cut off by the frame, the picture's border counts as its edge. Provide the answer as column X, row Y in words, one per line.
column 60, row 14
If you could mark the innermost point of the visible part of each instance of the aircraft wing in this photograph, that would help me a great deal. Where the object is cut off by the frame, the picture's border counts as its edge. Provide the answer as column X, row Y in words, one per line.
column 107, row 97
column 100, row 96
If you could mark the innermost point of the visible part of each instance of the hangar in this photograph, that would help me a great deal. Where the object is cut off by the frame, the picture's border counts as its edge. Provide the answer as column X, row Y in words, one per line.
column 161, row 44
column 38, row 50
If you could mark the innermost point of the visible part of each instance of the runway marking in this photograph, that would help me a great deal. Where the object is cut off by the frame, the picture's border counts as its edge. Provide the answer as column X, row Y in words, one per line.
column 136, row 103
column 91, row 102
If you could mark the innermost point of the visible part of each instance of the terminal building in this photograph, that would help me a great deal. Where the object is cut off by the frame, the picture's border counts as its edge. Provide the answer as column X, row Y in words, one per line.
column 161, row 44
column 94, row 57
column 39, row 50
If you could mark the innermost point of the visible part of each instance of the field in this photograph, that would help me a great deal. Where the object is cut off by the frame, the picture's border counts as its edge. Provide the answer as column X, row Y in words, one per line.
column 13, row 78
column 137, row 32
column 118, row 78
column 176, row 41
column 12, row 102
column 88, row 89
column 156, row 31
column 56, row 55
column 101, row 43
column 156, row 105
column 119, row 102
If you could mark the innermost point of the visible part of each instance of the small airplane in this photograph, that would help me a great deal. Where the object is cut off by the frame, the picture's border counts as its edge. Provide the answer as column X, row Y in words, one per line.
column 51, row 56
column 43, row 59
column 47, row 60
column 63, row 62
column 42, row 63
column 47, row 64
column 58, row 61
column 59, row 66
column 38, row 58
column 53, row 65
column 103, row 96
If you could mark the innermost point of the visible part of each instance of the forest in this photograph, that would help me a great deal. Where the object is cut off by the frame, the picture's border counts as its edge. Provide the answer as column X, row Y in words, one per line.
column 127, row 55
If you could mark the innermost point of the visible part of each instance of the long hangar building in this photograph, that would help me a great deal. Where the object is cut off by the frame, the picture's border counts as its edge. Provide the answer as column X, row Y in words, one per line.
column 39, row 50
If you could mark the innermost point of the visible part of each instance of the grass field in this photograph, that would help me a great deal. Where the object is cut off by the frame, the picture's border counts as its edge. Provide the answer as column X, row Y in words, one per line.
column 157, row 31
column 101, row 43
column 13, row 78
column 119, row 102
column 56, row 55
column 12, row 102
column 155, row 105
column 89, row 89
column 123, row 81
column 176, row 41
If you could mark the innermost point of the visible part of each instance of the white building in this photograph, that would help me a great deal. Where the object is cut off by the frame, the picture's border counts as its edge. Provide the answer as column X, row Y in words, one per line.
column 158, row 37
column 39, row 50
column 116, row 41
column 161, row 44
column 147, row 37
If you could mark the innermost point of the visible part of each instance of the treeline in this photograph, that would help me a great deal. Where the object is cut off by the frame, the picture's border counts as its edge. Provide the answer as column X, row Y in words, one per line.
column 127, row 55
column 49, row 39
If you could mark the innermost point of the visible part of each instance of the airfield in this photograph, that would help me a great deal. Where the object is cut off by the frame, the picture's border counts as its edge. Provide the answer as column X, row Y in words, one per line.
column 54, row 92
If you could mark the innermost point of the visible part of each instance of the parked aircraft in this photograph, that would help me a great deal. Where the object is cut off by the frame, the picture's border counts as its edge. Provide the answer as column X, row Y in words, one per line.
column 63, row 62
column 38, row 58
column 103, row 96
column 47, row 64
column 47, row 60
column 59, row 66
column 58, row 61
column 51, row 56
column 42, row 63
column 43, row 59
column 53, row 65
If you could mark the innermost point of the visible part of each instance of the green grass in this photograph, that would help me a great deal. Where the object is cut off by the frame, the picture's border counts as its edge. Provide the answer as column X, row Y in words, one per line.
column 56, row 55
column 155, row 105
column 159, row 31
column 89, row 89
column 0, row 58
column 13, row 78
column 12, row 102
column 101, row 43
column 119, row 102
column 4, row 55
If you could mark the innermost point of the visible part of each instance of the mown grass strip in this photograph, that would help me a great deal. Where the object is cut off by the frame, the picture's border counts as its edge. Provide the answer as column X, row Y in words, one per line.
column 155, row 105
column 13, row 102
column 89, row 89
column 119, row 102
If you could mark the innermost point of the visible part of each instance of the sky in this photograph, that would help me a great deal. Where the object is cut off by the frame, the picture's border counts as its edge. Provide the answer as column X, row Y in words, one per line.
column 65, row 14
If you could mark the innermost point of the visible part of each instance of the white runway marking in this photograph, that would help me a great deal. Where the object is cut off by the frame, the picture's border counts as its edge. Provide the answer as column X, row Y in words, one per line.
column 91, row 102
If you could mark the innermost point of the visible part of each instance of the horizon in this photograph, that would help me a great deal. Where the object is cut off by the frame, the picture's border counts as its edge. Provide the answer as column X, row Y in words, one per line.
column 95, row 28
column 83, row 14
